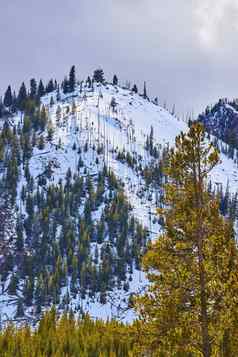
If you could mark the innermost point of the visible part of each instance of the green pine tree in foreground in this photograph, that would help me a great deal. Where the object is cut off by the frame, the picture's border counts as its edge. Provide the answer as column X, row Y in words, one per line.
column 191, row 306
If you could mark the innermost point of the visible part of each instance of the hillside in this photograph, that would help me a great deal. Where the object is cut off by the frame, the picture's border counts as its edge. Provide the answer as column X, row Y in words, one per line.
column 221, row 120
column 81, row 178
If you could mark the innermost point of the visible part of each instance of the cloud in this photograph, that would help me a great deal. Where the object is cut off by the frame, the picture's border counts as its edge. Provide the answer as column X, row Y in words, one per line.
column 186, row 50
column 217, row 22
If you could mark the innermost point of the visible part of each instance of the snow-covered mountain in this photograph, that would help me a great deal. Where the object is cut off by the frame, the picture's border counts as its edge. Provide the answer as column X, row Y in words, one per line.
column 87, row 131
column 221, row 120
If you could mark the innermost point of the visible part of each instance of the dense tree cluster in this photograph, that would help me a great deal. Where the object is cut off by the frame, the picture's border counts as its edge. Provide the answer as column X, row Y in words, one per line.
column 67, row 337
column 25, row 99
column 57, row 246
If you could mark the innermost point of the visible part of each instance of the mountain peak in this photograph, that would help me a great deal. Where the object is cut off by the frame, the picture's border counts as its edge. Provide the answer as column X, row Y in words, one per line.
column 221, row 120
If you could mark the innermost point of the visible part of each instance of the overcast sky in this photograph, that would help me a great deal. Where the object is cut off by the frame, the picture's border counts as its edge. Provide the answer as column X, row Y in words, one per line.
column 186, row 50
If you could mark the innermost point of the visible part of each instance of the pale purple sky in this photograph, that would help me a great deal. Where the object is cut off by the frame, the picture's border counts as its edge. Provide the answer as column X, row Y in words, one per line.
column 186, row 50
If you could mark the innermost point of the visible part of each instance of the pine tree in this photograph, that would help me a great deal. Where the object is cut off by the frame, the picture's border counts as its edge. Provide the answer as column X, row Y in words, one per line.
column 41, row 144
column 20, row 308
column 135, row 89
column 113, row 104
column 22, row 96
column 40, row 90
column 173, row 110
column 65, row 85
column 50, row 131
column 12, row 287
column 50, row 86
column 14, row 103
column 20, row 239
column 89, row 82
column 1, row 108
column 33, row 88
column 156, row 101
column 43, row 118
column 98, row 76
column 115, row 80
column 145, row 91
column 58, row 113
column 58, row 96
column 52, row 101
column 151, row 140
column 7, row 101
column 72, row 79
column 191, row 305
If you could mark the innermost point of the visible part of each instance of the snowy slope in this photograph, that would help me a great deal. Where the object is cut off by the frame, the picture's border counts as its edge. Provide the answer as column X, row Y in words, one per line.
column 87, row 118
column 126, row 129
column 95, row 122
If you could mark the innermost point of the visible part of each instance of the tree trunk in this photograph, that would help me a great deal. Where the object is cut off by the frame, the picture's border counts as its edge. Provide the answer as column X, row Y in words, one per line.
column 199, row 186
column 203, row 300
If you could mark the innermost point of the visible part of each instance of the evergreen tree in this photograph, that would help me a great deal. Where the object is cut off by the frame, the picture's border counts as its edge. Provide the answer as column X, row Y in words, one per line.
column 65, row 85
column 20, row 308
column 135, row 89
column 50, row 86
column 115, row 80
column 151, row 140
column 98, row 76
column 22, row 96
column 50, row 132
column 7, row 101
column 43, row 118
column 33, row 88
column 58, row 113
column 72, row 79
column 173, row 110
column 40, row 90
column 20, row 240
column 52, row 101
column 156, row 101
column 145, row 91
column 113, row 104
column 58, row 97
column 1, row 108
column 12, row 287
column 190, row 307
column 89, row 82
column 41, row 144
column 14, row 103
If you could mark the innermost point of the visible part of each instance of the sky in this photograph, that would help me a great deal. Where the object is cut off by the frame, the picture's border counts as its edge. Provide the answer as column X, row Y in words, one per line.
column 185, row 50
